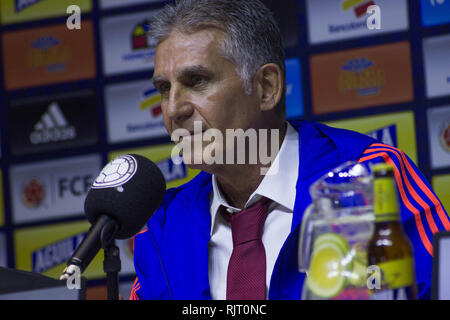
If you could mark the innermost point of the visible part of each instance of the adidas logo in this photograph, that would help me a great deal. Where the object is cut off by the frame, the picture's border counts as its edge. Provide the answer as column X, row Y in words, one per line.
column 52, row 127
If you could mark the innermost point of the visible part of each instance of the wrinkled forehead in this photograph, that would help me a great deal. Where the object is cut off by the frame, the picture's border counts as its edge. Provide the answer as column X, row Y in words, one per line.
column 186, row 31
column 180, row 50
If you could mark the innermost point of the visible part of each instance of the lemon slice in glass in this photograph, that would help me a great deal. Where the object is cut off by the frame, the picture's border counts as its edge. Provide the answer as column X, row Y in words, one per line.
column 326, row 274
column 332, row 237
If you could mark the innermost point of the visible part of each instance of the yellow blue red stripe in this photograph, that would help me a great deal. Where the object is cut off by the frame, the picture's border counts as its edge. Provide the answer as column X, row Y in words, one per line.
column 415, row 194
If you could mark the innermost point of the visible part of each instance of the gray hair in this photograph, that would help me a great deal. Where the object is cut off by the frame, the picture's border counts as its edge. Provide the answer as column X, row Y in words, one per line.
column 252, row 39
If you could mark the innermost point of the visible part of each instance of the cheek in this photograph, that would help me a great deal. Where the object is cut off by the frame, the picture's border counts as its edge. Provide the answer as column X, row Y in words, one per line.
column 240, row 110
column 228, row 108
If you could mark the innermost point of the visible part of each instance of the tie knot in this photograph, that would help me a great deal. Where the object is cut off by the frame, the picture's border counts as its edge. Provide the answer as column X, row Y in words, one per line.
column 248, row 224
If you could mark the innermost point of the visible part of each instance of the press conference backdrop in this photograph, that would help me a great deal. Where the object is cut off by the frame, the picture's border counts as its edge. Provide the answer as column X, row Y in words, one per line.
column 73, row 99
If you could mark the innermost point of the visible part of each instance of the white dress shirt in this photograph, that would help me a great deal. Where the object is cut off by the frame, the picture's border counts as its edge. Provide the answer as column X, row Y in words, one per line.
column 281, row 189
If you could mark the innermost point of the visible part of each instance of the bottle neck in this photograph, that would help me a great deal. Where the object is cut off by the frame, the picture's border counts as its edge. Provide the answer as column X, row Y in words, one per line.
column 394, row 225
column 385, row 200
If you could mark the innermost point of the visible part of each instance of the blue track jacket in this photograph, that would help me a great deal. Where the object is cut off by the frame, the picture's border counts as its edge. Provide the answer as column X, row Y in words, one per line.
column 171, row 254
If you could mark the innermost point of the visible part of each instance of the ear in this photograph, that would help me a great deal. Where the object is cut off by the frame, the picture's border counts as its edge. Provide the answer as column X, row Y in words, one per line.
column 269, row 85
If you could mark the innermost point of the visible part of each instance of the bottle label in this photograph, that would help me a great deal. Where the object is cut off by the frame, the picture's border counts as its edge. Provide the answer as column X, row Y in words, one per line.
column 385, row 197
column 397, row 273
column 397, row 280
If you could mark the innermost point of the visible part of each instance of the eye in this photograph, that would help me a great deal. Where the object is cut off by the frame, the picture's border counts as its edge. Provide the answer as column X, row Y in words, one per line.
column 197, row 80
column 163, row 87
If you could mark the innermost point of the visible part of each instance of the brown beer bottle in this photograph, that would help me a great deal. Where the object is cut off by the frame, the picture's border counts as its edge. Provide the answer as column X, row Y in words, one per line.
column 390, row 253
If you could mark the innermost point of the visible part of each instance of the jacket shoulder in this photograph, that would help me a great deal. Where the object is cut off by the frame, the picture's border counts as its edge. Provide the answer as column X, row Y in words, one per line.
column 176, row 197
column 349, row 144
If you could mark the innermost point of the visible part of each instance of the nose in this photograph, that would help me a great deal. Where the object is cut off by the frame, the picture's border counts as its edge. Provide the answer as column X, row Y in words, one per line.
column 177, row 107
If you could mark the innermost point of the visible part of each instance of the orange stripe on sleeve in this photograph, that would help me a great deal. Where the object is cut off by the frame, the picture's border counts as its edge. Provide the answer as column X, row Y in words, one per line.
column 442, row 215
column 134, row 295
column 136, row 286
column 423, row 236
column 145, row 230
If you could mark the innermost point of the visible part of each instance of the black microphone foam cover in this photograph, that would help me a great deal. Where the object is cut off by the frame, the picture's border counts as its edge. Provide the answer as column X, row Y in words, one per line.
column 129, row 189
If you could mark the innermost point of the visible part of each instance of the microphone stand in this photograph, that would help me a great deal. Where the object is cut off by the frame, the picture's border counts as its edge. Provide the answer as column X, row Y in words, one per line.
column 111, row 261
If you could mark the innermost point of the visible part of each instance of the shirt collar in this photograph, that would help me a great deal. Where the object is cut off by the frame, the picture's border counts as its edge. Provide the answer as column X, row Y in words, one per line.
column 281, row 176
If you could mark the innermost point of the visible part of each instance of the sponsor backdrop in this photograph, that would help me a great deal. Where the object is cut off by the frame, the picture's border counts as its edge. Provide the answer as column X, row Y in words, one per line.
column 440, row 185
column 142, row 118
column 394, row 129
column 13, row 11
column 106, row 4
column 435, row 12
column 72, row 99
column 439, row 136
column 48, row 55
column 50, row 189
column 359, row 78
column 437, row 65
column 294, row 95
column 53, row 122
column 3, row 251
column 337, row 20
column 125, row 44
column 46, row 249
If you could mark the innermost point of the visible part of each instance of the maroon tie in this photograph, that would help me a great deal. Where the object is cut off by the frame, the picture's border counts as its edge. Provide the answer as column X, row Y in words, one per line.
column 246, row 277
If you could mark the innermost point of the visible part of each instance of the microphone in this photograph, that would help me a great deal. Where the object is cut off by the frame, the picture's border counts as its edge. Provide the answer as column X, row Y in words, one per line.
column 121, row 200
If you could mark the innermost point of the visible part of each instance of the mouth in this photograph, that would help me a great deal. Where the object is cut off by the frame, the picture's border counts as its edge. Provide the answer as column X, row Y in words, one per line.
column 193, row 135
column 191, row 132
column 188, row 136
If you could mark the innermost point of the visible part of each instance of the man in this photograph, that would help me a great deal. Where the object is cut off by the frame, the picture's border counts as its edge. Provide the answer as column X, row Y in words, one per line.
column 220, row 65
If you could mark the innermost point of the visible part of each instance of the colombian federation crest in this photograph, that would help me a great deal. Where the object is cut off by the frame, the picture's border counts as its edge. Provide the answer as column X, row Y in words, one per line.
column 33, row 194
column 116, row 173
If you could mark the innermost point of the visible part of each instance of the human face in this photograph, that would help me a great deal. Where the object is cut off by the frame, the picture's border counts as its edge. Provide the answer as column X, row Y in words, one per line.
column 197, row 83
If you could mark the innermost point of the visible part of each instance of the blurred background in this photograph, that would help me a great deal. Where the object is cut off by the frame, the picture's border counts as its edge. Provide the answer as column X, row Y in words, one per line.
column 72, row 99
